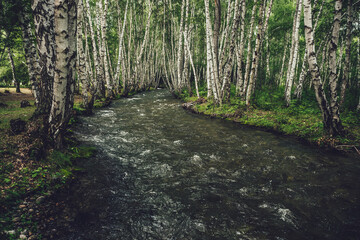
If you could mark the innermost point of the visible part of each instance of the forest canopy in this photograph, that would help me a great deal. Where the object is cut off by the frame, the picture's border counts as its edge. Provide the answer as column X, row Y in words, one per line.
column 289, row 50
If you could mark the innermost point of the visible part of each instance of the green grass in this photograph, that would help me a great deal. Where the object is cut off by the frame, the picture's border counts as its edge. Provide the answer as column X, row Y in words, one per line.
column 13, row 111
column 302, row 118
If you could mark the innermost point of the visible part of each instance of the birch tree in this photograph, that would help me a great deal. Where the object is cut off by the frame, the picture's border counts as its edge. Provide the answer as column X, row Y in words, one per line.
column 15, row 81
column 294, row 55
column 330, row 124
column 31, row 56
column 44, row 30
column 348, row 40
column 63, row 79
column 249, row 51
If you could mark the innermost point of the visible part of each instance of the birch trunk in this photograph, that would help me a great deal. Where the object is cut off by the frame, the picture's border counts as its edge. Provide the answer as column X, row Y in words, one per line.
column 280, row 80
column 345, row 79
column 333, row 78
column 15, row 81
column 31, row 56
column 264, row 30
column 193, row 67
column 225, row 89
column 314, row 69
column 63, row 78
column 180, row 49
column 240, row 51
column 249, row 51
column 292, row 48
column 304, row 72
column 94, row 49
column 101, row 75
column 81, row 68
column 291, row 70
column 255, row 56
column 121, row 37
column 210, row 55
column 142, row 48
column 43, row 12
column 103, row 25
column 186, row 77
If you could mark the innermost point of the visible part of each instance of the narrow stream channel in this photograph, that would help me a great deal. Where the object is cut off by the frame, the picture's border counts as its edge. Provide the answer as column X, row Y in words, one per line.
column 164, row 173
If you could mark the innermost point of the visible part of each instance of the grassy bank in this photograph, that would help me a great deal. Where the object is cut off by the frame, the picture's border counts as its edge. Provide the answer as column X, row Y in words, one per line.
column 302, row 119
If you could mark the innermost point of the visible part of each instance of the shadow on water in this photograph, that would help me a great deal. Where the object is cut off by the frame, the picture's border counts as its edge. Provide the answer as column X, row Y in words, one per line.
column 162, row 173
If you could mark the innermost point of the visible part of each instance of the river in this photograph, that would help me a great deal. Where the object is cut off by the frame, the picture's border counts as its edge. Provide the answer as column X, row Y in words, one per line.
column 164, row 173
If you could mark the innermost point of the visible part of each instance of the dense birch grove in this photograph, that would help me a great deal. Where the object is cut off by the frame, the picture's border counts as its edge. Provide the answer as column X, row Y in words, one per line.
column 219, row 50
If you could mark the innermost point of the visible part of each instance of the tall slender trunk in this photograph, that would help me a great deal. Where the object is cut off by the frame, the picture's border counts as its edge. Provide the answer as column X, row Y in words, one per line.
column 291, row 70
column 345, row 79
column 315, row 73
column 31, row 56
column 249, row 51
column 63, row 79
column 185, row 74
column 180, row 49
column 121, row 38
column 142, row 47
column 103, row 25
column 193, row 67
column 81, row 67
column 267, row 59
column 213, row 74
column 255, row 56
column 216, row 33
column 15, row 81
column 95, row 51
column 43, row 12
column 240, row 51
column 304, row 72
column 264, row 30
column 333, row 78
column 225, row 89
column 280, row 79
column 101, row 74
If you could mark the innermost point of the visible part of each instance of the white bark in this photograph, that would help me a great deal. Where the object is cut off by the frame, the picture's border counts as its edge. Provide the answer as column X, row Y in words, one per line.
column 240, row 51
column 210, row 54
column 346, row 74
column 255, row 57
column 44, row 31
column 121, row 37
column 333, row 78
column 249, row 51
column 180, row 49
column 31, row 56
column 60, row 109
column 293, row 60
column 15, row 81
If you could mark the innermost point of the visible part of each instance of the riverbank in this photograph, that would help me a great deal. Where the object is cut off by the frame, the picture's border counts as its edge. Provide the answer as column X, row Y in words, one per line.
column 30, row 170
column 299, row 120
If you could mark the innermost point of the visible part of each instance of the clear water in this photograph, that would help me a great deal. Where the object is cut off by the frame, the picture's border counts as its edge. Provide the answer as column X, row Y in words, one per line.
column 164, row 173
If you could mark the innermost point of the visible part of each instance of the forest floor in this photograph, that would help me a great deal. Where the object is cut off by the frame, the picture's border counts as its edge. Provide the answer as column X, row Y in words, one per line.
column 299, row 120
column 30, row 170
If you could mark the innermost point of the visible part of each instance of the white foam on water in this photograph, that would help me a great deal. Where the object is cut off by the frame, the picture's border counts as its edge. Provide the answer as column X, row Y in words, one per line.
column 146, row 152
column 178, row 142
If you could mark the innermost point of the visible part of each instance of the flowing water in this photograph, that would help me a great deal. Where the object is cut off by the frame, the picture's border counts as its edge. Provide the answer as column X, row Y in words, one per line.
column 164, row 173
